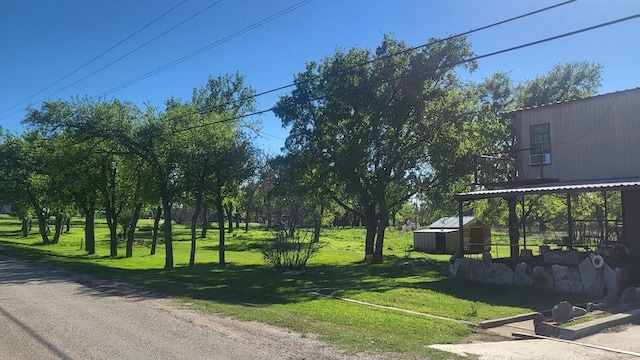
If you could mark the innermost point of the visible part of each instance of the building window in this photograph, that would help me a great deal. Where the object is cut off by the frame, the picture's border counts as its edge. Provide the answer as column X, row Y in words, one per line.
column 540, row 139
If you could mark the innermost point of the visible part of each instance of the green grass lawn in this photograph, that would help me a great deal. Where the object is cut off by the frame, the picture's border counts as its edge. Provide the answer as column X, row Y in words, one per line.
column 249, row 290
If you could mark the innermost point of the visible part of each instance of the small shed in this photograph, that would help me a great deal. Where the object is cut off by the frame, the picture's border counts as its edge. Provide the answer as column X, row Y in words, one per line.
column 443, row 236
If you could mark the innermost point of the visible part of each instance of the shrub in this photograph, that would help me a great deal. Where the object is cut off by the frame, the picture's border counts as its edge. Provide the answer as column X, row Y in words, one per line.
column 290, row 251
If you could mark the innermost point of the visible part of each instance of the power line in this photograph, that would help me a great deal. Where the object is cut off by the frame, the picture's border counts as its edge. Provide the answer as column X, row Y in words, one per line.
column 345, row 70
column 415, row 48
column 136, row 49
column 199, row 51
column 350, row 68
column 450, row 65
column 96, row 57
column 206, row 48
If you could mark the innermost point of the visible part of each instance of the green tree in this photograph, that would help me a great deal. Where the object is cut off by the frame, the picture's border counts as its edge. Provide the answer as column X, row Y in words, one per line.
column 86, row 155
column 235, row 166
column 23, row 177
column 218, row 156
column 254, row 186
column 379, row 126
column 157, row 141
column 568, row 81
column 497, row 95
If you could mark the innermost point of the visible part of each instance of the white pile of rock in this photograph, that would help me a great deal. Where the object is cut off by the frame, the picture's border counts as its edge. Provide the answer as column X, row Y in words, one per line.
column 485, row 271
column 592, row 276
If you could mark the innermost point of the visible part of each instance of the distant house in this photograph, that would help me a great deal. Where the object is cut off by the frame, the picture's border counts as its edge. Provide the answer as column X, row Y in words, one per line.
column 572, row 147
column 442, row 236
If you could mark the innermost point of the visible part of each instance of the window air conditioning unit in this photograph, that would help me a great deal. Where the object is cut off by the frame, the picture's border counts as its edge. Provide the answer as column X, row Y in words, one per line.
column 540, row 159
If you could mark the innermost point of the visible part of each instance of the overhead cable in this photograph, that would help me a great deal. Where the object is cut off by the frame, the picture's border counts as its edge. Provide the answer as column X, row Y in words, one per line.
column 96, row 57
column 136, row 49
column 353, row 67
column 449, row 65
column 206, row 48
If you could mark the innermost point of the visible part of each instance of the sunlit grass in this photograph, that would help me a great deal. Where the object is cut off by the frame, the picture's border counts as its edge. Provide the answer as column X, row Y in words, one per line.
column 247, row 289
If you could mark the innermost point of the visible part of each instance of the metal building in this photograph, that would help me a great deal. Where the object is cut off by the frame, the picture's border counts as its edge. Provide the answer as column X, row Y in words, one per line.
column 442, row 236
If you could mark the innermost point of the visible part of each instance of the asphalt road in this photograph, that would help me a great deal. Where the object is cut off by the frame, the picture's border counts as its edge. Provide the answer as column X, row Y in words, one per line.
column 50, row 314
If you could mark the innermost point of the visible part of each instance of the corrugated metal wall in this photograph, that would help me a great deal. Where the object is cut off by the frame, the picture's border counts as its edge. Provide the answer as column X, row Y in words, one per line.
column 424, row 241
column 594, row 138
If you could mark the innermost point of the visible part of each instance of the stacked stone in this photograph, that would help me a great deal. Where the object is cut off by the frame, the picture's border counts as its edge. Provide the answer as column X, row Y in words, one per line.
column 592, row 276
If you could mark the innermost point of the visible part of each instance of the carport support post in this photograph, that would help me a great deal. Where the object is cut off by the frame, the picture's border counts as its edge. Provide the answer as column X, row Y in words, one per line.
column 524, row 224
column 460, row 228
column 570, row 220
column 605, row 233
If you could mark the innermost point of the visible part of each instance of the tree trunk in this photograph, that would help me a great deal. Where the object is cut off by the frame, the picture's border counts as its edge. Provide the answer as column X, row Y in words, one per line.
column 267, row 209
column 89, row 231
column 168, row 244
column 249, row 202
column 154, row 231
column 383, row 222
column 246, row 221
column 25, row 227
column 220, row 209
column 237, row 219
column 131, row 232
column 317, row 225
column 229, row 209
column 514, row 231
column 371, row 226
column 43, row 228
column 205, row 221
column 194, row 228
column 58, row 228
column 67, row 223
column 111, row 216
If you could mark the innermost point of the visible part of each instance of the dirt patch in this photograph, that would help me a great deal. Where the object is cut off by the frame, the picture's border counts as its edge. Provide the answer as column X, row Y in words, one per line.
column 616, row 329
column 484, row 336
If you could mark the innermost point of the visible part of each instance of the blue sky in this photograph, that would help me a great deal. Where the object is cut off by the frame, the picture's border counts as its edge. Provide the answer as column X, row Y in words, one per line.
column 42, row 41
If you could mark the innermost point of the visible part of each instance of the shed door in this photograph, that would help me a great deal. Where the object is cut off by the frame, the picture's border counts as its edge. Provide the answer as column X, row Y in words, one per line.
column 476, row 240
column 441, row 242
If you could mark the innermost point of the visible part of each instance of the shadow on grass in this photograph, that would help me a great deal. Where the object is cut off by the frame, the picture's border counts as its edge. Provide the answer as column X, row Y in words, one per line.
column 244, row 245
column 260, row 285
column 500, row 295
column 11, row 233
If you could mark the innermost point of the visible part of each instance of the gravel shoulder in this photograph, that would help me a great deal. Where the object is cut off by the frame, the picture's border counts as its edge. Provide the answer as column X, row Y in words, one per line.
column 48, row 313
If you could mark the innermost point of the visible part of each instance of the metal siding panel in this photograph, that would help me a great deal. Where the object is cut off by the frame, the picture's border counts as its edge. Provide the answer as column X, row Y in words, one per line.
column 575, row 186
column 452, row 242
column 594, row 138
column 431, row 241
column 419, row 241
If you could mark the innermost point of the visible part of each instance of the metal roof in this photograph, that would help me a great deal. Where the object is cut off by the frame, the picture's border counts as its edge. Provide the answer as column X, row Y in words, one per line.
column 554, row 188
column 446, row 231
column 450, row 222
column 507, row 114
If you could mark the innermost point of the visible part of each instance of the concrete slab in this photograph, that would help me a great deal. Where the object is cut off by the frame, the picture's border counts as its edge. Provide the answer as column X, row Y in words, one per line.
column 507, row 330
column 594, row 326
column 603, row 339
column 530, row 350
column 487, row 324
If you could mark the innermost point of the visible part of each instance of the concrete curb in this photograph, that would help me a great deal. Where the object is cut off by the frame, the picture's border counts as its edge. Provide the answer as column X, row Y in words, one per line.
column 488, row 324
column 597, row 325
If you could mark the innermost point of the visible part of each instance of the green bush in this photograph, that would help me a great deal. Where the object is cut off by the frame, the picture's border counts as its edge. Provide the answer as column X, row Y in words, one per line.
column 290, row 251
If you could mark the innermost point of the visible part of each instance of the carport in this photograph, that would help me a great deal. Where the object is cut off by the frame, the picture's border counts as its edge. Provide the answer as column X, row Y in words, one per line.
column 628, row 187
